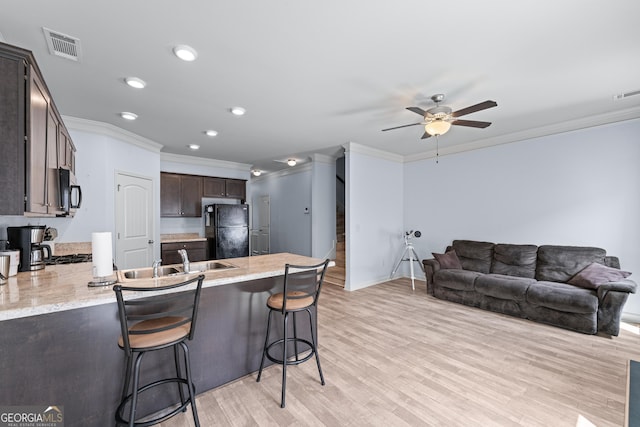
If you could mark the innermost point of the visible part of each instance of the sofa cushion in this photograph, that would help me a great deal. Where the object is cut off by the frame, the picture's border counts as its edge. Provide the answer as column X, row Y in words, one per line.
column 596, row 274
column 461, row 280
column 448, row 259
column 515, row 260
column 475, row 256
column 503, row 287
column 562, row 297
column 560, row 263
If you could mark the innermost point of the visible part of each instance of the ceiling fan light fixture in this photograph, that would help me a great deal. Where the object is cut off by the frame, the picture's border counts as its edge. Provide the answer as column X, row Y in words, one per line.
column 437, row 127
column 291, row 162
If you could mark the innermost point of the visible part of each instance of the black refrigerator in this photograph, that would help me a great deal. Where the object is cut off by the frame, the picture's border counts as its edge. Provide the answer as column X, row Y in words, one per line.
column 226, row 228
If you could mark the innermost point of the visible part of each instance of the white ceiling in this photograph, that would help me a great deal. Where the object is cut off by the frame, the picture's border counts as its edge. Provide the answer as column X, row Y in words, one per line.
column 316, row 75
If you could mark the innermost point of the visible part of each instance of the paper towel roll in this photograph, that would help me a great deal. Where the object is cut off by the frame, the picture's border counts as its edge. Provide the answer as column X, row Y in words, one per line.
column 101, row 253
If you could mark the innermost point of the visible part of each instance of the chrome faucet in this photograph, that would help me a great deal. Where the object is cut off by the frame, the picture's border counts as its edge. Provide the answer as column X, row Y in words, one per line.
column 186, row 267
column 155, row 266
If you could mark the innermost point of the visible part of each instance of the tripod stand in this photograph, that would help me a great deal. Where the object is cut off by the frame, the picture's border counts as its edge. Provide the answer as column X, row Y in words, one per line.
column 412, row 256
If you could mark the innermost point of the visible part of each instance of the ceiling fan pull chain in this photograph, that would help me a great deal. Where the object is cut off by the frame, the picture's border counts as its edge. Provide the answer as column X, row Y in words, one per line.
column 437, row 147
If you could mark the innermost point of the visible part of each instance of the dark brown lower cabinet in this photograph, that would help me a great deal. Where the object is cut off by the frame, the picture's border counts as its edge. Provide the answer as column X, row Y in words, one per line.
column 197, row 251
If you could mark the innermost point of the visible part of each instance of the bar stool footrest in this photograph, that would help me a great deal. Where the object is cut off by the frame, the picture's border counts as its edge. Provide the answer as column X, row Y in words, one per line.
column 291, row 362
column 181, row 408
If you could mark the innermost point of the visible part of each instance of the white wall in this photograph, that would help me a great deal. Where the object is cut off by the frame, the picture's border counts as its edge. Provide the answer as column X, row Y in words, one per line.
column 374, row 216
column 290, row 193
column 575, row 188
column 323, row 207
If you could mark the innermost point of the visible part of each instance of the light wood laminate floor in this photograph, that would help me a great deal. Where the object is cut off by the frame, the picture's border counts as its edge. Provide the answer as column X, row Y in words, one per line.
column 394, row 357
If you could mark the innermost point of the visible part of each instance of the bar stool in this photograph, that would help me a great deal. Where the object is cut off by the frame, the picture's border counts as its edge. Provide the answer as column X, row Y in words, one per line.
column 154, row 323
column 302, row 285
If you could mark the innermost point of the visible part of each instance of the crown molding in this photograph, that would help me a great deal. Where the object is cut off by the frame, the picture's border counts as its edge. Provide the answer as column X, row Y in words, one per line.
column 323, row 158
column 354, row 147
column 556, row 128
column 202, row 161
column 303, row 167
column 106, row 129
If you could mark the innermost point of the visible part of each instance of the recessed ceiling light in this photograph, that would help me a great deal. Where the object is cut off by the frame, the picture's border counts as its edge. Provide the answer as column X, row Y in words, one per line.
column 186, row 53
column 128, row 116
column 135, row 82
column 194, row 146
column 291, row 162
column 211, row 132
column 238, row 111
column 256, row 172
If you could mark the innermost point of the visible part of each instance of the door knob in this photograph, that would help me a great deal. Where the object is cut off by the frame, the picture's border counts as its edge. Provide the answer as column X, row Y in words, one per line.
column 151, row 242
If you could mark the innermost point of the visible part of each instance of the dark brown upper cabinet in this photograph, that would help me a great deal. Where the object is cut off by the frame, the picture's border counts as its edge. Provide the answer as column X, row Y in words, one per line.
column 224, row 187
column 30, row 134
column 180, row 195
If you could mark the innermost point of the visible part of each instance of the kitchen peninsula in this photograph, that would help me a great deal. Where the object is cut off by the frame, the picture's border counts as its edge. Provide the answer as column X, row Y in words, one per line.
column 59, row 336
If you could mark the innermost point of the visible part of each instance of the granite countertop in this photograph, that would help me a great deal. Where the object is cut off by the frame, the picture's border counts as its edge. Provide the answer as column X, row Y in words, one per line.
column 181, row 237
column 64, row 287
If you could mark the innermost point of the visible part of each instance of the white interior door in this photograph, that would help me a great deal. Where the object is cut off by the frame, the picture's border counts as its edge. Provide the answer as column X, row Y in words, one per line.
column 260, row 237
column 134, row 221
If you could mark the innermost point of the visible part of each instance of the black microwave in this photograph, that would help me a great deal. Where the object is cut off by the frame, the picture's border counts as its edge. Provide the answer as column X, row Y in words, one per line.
column 70, row 192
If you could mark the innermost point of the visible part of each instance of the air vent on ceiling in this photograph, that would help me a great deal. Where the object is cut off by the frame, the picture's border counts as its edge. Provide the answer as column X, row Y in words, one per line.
column 626, row 95
column 62, row 45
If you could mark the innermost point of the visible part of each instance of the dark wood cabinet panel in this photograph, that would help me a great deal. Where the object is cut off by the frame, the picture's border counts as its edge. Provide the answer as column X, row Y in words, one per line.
column 37, row 146
column 12, row 134
column 191, row 187
column 197, row 251
column 170, row 203
column 236, row 188
column 213, row 187
column 66, row 150
column 180, row 195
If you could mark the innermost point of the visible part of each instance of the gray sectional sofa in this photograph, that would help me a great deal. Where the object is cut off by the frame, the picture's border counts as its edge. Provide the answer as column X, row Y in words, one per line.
column 577, row 288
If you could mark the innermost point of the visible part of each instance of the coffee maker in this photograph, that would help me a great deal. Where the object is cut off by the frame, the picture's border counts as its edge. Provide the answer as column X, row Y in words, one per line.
column 28, row 239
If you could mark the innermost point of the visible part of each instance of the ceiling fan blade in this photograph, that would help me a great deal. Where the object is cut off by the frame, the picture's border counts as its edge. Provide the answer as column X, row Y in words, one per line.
column 478, row 107
column 403, row 126
column 425, row 136
column 471, row 123
column 417, row 110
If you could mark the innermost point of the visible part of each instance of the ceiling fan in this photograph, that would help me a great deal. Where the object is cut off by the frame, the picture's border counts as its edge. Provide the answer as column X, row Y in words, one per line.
column 438, row 120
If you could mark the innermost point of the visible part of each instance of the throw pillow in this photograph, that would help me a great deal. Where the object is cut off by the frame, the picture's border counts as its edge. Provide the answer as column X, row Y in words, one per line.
column 448, row 259
column 596, row 274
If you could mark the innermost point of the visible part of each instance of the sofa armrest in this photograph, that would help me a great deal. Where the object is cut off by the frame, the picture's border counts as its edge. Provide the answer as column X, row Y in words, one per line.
column 430, row 267
column 624, row 285
column 612, row 297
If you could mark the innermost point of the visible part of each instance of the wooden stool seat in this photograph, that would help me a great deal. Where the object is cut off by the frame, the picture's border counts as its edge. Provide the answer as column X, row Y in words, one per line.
column 296, row 300
column 159, row 338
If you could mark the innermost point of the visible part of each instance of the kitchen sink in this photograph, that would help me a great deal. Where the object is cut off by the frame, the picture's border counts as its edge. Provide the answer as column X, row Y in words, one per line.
column 147, row 273
column 202, row 266
column 174, row 270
